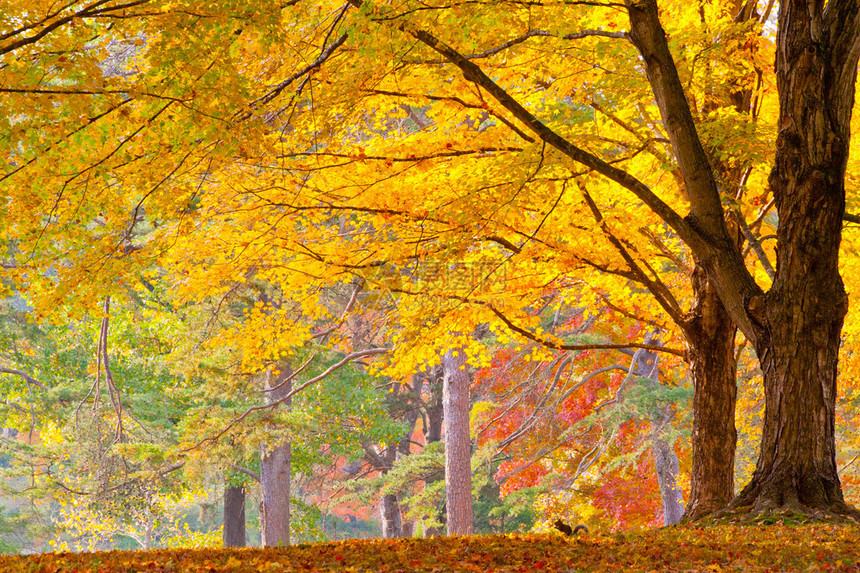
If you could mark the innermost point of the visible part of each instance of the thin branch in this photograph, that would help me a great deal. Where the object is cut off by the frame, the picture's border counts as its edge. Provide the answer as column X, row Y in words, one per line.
column 27, row 378
column 755, row 244
column 463, row 103
column 253, row 475
column 272, row 405
column 290, row 378
column 551, row 344
column 326, row 53
column 846, row 466
column 538, row 33
column 91, row 11
column 656, row 287
column 349, row 305
column 113, row 391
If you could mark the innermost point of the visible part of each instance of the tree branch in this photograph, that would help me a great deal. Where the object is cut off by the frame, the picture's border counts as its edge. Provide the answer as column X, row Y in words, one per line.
column 27, row 378
column 272, row 405
column 474, row 74
column 253, row 475
column 324, row 55
column 718, row 253
column 550, row 344
column 91, row 11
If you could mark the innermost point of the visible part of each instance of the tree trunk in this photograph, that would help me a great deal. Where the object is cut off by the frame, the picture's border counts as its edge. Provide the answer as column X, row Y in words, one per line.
column 458, row 446
column 234, row 516
column 392, row 521
column 666, row 464
column 389, row 504
column 710, row 335
column 802, row 315
column 665, row 461
column 796, row 326
column 275, row 465
column 432, row 421
column 434, row 410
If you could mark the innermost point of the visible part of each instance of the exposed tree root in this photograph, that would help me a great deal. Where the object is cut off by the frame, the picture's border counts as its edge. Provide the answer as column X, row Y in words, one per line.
column 772, row 514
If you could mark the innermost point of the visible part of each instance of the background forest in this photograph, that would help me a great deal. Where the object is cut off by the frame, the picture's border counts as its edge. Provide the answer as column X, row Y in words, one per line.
column 274, row 272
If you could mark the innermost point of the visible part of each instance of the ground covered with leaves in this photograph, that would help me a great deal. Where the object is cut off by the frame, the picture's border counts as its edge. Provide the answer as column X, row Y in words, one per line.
column 723, row 548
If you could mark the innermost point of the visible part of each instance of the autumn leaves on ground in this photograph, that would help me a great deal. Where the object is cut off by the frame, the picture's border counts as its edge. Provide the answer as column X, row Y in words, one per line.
column 723, row 548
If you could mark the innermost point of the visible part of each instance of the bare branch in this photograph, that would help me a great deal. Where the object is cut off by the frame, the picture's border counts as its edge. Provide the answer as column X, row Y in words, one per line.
column 755, row 244
column 851, row 218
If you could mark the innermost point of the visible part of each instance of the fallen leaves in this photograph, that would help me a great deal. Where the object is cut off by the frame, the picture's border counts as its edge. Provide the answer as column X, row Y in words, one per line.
column 723, row 548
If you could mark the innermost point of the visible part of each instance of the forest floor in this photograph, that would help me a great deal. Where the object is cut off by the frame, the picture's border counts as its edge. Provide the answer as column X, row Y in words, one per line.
column 720, row 548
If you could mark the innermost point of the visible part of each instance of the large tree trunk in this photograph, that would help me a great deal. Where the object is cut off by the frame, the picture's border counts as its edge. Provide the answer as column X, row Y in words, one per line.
column 803, row 313
column 458, row 446
column 795, row 327
column 275, row 465
column 710, row 335
column 234, row 516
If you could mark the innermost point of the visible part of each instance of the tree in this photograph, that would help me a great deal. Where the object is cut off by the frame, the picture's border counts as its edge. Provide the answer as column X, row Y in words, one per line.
column 458, row 445
column 275, row 469
column 234, row 516
column 795, row 327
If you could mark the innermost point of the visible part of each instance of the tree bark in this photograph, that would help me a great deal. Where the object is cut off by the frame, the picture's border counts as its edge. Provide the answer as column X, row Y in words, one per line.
column 275, row 466
column 392, row 520
column 710, row 335
column 803, row 314
column 458, row 446
column 433, row 418
column 234, row 516
column 666, row 464
column 389, row 504
column 665, row 461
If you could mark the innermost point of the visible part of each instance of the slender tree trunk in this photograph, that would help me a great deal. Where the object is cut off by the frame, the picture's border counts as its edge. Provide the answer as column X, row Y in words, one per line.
column 458, row 446
column 234, row 516
column 275, row 466
column 147, row 534
column 392, row 521
column 389, row 504
column 665, row 460
column 433, row 419
column 666, row 464
column 710, row 335
column 434, row 410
